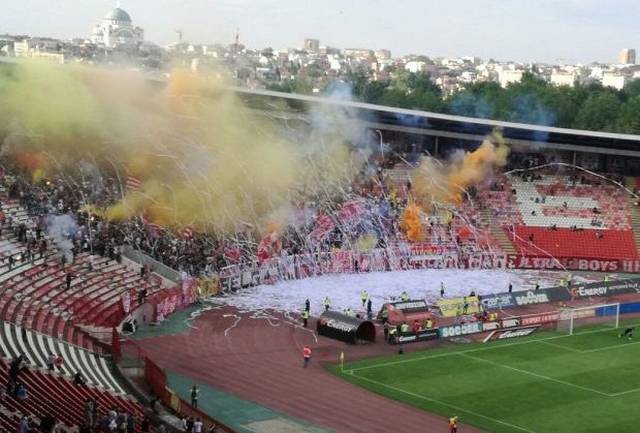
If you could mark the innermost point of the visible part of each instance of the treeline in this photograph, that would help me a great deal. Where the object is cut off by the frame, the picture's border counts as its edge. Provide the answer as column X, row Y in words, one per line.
column 532, row 100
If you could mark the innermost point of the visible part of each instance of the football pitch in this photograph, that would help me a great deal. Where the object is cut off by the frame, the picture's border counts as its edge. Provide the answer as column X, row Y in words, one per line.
column 545, row 383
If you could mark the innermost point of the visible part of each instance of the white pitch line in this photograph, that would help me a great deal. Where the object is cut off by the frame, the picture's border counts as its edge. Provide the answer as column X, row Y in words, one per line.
column 479, row 349
column 440, row 402
column 613, row 346
column 630, row 391
column 539, row 376
column 559, row 346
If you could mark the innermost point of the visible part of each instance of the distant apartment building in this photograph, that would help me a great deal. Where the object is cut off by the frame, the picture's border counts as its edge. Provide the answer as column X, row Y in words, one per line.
column 613, row 79
column 357, row 52
column 415, row 67
column 383, row 54
column 563, row 78
column 312, row 45
column 508, row 76
column 627, row 56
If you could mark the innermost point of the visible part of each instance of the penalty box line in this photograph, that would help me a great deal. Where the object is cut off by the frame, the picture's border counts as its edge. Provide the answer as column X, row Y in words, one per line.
column 442, row 403
column 539, row 376
column 482, row 349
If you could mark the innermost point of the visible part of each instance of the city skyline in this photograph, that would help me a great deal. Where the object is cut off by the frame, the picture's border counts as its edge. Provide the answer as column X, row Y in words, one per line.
column 564, row 31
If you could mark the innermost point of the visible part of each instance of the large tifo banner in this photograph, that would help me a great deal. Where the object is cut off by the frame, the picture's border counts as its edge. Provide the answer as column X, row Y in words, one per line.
column 573, row 264
column 342, row 262
column 404, row 257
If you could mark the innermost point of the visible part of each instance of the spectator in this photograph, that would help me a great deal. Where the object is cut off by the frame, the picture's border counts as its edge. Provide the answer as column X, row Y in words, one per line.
column 78, row 379
column 131, row 423
column 47, row 423
column 88, row 413
column 121, row 420
column 50, row 362
column 197, row 426
column 20, row 391
column 194, row 396
column 23, row 425
column 59, row 362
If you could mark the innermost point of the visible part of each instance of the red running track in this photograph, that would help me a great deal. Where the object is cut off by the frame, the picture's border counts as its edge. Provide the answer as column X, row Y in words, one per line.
column 262, row 362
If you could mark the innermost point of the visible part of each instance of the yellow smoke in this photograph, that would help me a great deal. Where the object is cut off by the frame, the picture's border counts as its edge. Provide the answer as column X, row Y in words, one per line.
column 411, row 223
column 203, row 157
column 434, row 182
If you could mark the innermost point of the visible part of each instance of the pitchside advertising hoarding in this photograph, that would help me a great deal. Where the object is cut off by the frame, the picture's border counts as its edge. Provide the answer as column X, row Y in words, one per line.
column 461, row 329
column 504, row 334
column 456, row 306
column 606, row 288
column 498, row 301
column 414, row 337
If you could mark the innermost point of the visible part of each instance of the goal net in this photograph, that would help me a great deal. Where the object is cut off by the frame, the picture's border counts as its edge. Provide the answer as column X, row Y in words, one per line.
column 597, row 316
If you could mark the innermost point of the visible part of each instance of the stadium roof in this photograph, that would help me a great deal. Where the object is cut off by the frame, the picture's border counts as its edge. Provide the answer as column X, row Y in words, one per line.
column 470, row 128
column 451, row 126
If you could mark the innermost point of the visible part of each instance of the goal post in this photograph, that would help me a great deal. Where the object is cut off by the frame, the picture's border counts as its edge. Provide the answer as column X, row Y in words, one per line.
column 602, row 315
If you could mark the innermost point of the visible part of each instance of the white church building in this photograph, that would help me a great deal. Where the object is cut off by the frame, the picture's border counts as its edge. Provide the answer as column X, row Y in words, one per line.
column 117, row 31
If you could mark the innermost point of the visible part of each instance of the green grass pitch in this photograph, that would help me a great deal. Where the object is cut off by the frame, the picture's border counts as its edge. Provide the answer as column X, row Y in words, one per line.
column 544, row 383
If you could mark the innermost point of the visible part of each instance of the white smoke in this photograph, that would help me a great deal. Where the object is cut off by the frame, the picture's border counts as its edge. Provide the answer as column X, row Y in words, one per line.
column 62, row 229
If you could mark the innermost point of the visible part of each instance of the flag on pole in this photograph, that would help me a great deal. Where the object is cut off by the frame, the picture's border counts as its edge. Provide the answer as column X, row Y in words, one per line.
column 133, row 184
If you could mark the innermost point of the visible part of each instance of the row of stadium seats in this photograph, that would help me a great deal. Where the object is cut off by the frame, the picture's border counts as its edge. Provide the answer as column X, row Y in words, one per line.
column 15, row 340
column 51, row 393
column 614, row 244
column 533, row 213
column 36, row 296
column 553, row 200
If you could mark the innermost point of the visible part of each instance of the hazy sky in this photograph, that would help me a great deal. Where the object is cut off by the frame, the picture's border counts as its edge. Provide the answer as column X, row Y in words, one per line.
column 523, row 30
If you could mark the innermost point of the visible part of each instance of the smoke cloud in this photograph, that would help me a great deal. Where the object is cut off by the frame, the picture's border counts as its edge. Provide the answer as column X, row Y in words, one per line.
column 62, row 229
column 437, row 185
column 203, row 158
column 435, row 182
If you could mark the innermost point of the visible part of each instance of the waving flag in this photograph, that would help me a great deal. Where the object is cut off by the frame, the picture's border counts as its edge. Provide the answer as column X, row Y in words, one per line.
column 133, row 184
column 323, row 226
column 350, row 212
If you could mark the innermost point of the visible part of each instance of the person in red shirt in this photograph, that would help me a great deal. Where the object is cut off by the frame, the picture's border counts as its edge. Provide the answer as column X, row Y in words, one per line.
column 416, row 326
column 59, row 362
column 306, row 355
column 453, row 424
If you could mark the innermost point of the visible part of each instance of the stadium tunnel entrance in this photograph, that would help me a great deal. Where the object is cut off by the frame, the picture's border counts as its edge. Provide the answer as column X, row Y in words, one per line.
column 346, row 328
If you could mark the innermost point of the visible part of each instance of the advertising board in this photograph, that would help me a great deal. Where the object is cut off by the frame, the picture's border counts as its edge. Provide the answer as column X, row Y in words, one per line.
column 414, row 337
column 504, row 334
column 456, row 306
column 540, row 319
column 498, row 301
column 462, row 329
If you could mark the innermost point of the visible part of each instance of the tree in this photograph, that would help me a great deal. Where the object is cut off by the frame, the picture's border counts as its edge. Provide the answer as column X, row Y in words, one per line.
column 629, row 119
column 599, row 112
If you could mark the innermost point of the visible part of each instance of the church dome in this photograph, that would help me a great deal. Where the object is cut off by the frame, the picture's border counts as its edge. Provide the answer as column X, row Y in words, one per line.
column 118, row 15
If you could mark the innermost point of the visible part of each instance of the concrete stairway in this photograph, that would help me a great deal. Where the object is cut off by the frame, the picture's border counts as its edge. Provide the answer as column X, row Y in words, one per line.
column 497, row 232
column 635, row 211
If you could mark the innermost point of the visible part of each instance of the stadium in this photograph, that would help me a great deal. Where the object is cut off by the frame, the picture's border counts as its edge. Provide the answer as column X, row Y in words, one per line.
column 179, row 251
